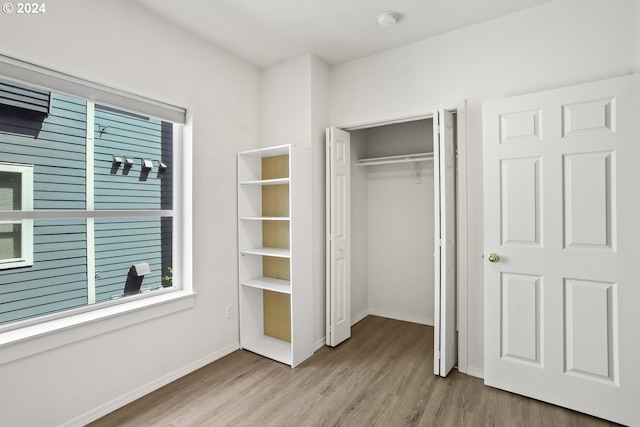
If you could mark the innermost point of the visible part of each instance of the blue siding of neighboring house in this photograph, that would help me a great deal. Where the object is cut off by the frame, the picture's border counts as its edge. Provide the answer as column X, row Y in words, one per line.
column 58, row 278
column 121, row 242
column 56, row 145
column 138, row 137
column 125, row 241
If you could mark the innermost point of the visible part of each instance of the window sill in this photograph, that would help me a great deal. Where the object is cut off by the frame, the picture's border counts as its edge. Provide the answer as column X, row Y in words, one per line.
column 23, row 342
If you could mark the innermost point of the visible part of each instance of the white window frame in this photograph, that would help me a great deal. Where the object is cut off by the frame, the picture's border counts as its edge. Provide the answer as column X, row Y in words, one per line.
column 25, row 338
column 26, row 204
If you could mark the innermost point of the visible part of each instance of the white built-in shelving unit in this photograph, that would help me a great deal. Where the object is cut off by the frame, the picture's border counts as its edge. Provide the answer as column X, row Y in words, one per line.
column 274, row 237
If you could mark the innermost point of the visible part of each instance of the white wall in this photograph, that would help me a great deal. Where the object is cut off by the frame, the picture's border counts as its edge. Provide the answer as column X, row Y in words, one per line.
column 285, row 103
column 119, row 44
column 294, row 109
column 401, row 225
column 359, row 229
column 401, row 228
column 319, row 123
column 401, row 138
column 560, row 43
column 637, row 67
column 392, row 225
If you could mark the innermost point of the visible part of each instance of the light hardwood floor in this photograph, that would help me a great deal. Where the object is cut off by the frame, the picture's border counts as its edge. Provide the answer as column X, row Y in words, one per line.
column 382, row 376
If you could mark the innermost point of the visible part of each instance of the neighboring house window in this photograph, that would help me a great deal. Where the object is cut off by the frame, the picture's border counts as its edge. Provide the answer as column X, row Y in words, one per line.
column 86, row 207
column 16, row 236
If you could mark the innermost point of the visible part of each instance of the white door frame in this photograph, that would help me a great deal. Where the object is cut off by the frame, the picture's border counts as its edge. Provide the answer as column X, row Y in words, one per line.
column 462, row 210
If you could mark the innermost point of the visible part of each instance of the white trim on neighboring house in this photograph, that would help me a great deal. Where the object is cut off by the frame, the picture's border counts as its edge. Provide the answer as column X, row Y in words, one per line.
column 26, row 202
column 90, row 195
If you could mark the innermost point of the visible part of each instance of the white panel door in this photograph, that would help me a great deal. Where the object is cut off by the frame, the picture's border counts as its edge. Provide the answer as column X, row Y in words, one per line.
column 338, row 237
column 444, row 159
column 562, row 292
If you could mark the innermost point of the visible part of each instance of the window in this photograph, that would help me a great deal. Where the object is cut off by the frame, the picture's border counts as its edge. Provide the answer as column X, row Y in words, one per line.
column 16, row 236
column 87, row 215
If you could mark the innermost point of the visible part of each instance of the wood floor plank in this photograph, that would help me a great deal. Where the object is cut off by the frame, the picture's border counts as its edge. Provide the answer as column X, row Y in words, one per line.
column 381, row 376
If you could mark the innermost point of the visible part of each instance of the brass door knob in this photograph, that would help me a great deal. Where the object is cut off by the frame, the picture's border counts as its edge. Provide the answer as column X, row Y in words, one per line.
column 494, row 257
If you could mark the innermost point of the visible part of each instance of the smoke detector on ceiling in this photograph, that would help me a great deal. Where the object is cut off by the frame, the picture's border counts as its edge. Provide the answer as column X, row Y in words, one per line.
column 387, row 19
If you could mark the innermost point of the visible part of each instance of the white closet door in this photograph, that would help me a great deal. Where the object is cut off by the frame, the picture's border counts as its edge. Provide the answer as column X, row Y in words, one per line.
column 338, row 237
column 561, row 290
column 444, row 159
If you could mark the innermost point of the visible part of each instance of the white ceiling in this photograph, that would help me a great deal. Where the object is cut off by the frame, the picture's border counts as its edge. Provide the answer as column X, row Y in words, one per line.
column 267, row 32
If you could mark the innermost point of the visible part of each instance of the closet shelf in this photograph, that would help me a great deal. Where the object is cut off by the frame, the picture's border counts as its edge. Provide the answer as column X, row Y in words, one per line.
column 274, row 252
column 277, row 181
column 404, row 158
column 265, row 218
column 270, row 284
column 413, row 159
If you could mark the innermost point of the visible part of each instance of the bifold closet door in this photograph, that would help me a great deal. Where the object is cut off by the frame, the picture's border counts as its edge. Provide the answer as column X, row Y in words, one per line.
column 339, row 237
column 445, row 336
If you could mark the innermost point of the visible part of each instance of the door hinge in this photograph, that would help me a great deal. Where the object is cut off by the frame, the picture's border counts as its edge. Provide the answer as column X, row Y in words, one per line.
column 438, row 355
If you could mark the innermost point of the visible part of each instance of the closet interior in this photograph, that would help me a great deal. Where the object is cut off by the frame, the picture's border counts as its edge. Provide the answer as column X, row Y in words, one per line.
column 392, row 222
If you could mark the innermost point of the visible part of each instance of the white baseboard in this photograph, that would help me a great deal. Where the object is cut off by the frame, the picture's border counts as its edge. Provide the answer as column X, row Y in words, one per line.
column 359, row 317
column 475, row 372
column 127, row 398
column 404, row 318
column 320, row 343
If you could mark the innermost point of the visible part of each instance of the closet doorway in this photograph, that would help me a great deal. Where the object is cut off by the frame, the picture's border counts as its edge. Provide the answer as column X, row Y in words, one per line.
column 391, row 227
